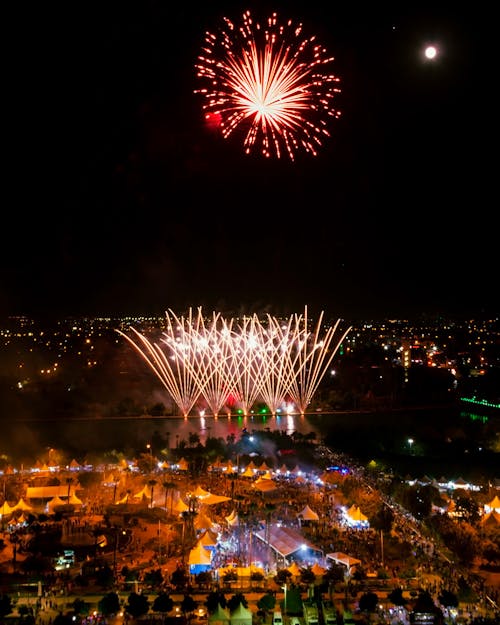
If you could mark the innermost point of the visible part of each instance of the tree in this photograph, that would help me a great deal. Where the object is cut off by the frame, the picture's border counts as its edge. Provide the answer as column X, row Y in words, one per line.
column 188, row 604
column 267, row 602
column 105, row 576
column 425, row 604
column 63, row 619
column 153, row 578
column 204, row 578
column 137, row 605
column 396, row 597
column 282, row 577
column 213, row 600
column 368, row 602
column 307, row 576
column 169, row 487
column 109, row 604
column 235, row 601
column 448, row 599
column 80, row 607
column 163, row 603
column 179, row 577
column 152, row 484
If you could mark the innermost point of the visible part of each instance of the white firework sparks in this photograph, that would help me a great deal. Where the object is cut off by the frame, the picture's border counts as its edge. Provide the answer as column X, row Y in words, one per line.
column 223, row 361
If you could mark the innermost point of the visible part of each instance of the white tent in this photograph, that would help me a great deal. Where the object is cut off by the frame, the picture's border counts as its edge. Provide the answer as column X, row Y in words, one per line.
column 241, row 616
column 307, row 514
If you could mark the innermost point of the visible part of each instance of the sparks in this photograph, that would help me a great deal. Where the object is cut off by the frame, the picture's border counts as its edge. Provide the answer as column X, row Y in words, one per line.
column 270, row 85
column 221, row 361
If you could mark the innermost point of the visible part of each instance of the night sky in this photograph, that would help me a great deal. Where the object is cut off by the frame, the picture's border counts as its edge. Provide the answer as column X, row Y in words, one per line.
column 121, row 200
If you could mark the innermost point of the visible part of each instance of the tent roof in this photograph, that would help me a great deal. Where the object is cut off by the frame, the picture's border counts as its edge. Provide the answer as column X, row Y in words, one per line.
column 212, row 499
column 294, row 569
column 241, row 615
column 199, row 555
column 264, row 485
column 220, row 614
column 495, row 502
column 492, row 518
column 355, row 514
column 308, row 514
column 201, row 492
column 343, row 558
column 22, row 505
column 48, row 492
column 285, row 541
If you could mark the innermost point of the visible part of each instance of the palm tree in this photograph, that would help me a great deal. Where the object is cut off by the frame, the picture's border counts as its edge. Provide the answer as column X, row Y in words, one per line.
column 169, row 487
column 152, row 484
column 69, row 481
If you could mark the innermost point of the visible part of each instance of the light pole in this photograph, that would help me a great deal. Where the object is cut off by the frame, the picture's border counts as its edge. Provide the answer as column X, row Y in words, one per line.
column 148, row 446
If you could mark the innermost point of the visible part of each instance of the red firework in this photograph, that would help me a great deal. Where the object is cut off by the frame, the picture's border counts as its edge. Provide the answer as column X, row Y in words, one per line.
column 269, row 84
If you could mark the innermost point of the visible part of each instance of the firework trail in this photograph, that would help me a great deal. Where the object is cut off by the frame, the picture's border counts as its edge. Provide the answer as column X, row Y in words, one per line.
column 270, row 83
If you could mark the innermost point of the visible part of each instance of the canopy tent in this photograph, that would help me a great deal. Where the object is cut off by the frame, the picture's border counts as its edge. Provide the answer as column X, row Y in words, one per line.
column 264, row 485
column 233, row 519
column 201, row 492
column 208, row 540
column 494, row 504
column 286, row 542
column 54, row 503
column 211, row 499
column 182, row 465
column 491, row 519
column 180, row 506
column 342, row 558
column 202, row 522
column 294, row 569
column 22, row 505
column 230, row 467
column 221, row 616
column 263, row 467
column 241, row 616
column 48, row 492
column 5, row 509
column 307, row 514
column 75, row 501
column 318, row 570
column 356, row 517
column 145, row 493
column 200, row 559
column 248, row 472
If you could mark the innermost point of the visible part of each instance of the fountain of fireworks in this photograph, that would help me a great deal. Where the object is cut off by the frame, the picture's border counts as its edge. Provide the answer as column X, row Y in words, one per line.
column 250, row 360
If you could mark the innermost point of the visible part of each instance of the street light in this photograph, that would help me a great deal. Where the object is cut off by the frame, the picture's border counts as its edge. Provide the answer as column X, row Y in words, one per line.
column 148, row 446
column 285, row 588
column 410, row 443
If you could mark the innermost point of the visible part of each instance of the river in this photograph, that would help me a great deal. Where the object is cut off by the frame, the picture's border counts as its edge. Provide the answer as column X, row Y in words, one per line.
column 433, row 432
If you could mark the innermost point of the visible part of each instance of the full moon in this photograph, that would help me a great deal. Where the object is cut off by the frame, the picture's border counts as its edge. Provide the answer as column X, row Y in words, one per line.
column 431, row 52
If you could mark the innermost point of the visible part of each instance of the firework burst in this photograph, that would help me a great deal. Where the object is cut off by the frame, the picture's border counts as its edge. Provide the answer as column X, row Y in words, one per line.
column 270, row 83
